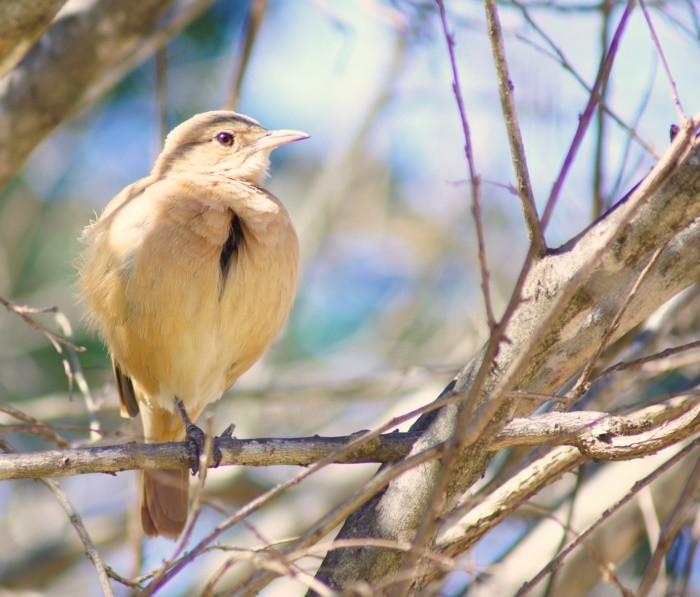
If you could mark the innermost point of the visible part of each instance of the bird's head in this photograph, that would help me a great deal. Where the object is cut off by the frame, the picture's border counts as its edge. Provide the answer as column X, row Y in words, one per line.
column 224, row 143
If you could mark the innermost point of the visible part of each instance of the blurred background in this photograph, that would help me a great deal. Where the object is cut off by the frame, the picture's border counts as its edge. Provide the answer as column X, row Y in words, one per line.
column 390, row 305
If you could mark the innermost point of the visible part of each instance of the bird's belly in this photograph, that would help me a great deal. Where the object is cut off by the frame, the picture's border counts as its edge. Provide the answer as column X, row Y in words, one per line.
column 189, row 333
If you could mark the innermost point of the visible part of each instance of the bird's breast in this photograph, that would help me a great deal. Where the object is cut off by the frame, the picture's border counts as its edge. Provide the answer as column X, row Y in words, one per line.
column 205, row 289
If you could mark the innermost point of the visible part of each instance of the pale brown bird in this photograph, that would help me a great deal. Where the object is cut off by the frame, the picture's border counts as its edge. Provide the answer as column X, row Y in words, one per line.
column 188, row 276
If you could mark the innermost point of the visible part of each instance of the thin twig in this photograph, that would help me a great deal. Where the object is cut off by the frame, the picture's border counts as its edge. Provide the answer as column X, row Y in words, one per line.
column 162, row 92
column 672, row 84
column 566, row 527
column 473, row 176
column 37, row 426
column 77, row 522
column 559, row 56
column 90, row 549
column 91, row 405
column 600, row 141
column 623, row 365
column 584, row 120
column 670, row 530
column 24, row 311
column 510, row 115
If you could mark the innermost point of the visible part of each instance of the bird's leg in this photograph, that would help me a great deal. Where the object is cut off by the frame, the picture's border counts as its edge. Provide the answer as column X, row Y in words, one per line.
column 195, row 437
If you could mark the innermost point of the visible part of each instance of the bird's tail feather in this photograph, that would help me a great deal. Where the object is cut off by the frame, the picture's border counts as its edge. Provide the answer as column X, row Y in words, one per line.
column 164, row 502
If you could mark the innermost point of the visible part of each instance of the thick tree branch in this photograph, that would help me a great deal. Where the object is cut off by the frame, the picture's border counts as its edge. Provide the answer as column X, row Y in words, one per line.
column 21, row 24
column 569, row 298
column 54, row 81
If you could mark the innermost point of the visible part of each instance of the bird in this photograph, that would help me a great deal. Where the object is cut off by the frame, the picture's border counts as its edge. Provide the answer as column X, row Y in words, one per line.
column 188, row 275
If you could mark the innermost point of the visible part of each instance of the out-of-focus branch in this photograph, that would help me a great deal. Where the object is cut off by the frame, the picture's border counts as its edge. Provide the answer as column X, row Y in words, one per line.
column 256, row 14
column 54, row 81
column 613, row 541
column 556, row 561
column 671, row 530
column 21, row 23
column 90, row 550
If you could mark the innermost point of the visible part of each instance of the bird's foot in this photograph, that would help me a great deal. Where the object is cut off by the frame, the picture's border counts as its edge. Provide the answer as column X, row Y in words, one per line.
column 196, row 438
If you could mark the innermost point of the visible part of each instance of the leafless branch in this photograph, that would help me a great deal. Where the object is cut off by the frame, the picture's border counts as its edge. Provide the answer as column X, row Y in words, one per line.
column 600, row 436
column 510, row 115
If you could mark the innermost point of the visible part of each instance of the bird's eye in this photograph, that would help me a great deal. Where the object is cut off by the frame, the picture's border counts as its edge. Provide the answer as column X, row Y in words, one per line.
column 225, row 138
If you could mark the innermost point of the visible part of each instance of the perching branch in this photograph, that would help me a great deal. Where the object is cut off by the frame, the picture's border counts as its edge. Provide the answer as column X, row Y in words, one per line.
column 599, row 436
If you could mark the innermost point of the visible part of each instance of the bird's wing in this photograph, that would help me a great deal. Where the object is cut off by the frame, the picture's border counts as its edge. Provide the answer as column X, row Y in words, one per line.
column 125, row 387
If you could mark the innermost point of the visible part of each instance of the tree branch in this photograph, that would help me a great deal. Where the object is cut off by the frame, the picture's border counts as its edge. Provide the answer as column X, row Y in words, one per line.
column 54, row 81
column 568, row 299
column 599, row 436
column 21, row 23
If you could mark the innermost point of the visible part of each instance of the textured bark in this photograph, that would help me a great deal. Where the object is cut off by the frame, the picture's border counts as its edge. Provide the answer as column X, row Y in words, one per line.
column 54, row 80
column 598, row 435
column 569, row 299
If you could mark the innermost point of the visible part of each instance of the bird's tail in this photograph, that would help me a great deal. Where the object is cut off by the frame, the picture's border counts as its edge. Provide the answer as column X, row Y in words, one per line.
column 164, row 502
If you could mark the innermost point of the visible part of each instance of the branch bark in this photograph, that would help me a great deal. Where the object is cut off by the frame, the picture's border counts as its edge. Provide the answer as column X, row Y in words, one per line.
column 597, row 435
column 569, row 298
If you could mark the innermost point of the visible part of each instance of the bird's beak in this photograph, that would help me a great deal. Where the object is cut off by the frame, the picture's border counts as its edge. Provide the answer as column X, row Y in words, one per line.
column 274, row 139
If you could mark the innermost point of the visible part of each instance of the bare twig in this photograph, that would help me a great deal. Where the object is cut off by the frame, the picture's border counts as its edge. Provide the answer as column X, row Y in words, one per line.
column 36, row 426
column 558, row 55
column 162, row 92
column 585, row 119
column 473, row 176
column 25, row 311
column 672, row 84
column 91, row 405
column 510, row 115
column 600, row 141
column 670, row 530
column 623, row 365
column 77, row 522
